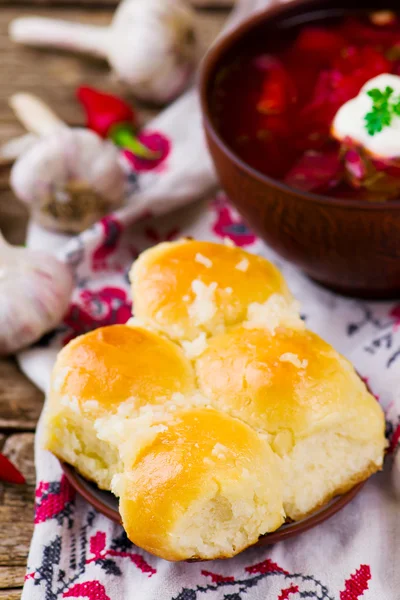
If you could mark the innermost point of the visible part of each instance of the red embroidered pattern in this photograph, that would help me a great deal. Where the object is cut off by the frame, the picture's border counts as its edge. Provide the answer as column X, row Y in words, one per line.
column 106, row 306
column 51, row 501
column 100, row 553
column 284, row 595
column 229, row 225
column 357, row 584
column 267, row 566
column 93, row 590
column 395, row 439
column 153, row 141
column 111, row 235
column 215, row 578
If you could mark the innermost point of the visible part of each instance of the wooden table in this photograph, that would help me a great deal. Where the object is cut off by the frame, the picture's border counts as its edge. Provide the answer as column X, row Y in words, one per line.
column 53, row 76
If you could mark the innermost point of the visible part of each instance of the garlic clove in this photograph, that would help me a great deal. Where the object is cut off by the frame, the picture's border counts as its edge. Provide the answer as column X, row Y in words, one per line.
column 152, row 47
column 36, row 116
column 150, row 44
column 46, row 33
column 12, row 149
column 35, row 289
column 70, row 179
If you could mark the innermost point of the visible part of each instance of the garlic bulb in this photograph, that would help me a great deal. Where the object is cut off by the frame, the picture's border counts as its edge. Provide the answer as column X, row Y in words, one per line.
column 35, row 289
column 11, row 150
column 150, row 44
column 35, row 115
column 69, row 178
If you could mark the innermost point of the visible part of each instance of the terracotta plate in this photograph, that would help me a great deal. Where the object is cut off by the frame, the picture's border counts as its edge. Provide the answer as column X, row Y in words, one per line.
column 107, row 504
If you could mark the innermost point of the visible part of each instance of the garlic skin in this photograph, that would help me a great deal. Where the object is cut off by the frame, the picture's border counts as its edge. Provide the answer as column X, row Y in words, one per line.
column 12, row 149
column 150, row 44
column 34, row 114
column 151, row 47
column 69, row 179
column 35, row 289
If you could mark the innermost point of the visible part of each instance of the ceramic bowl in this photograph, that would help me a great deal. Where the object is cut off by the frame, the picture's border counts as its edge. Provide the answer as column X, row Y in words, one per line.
column 351, row 246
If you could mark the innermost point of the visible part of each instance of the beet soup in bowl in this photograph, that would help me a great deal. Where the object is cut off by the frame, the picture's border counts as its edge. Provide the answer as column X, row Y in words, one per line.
column 304, row 163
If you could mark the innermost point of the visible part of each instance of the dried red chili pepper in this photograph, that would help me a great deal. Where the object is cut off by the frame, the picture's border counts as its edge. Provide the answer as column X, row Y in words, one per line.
column 113, row 118
column 8, row 472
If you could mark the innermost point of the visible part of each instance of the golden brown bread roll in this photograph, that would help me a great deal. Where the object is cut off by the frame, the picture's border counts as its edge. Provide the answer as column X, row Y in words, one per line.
column 187, row 288
column 207, row 485
column 213, row 413
column 112, row 371
column 318, row 414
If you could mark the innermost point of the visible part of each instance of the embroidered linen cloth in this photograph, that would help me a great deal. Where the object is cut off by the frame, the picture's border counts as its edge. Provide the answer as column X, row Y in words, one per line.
column 78, row 553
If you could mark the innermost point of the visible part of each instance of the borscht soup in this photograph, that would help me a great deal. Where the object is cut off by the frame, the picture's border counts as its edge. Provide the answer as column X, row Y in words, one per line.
column 316, row 104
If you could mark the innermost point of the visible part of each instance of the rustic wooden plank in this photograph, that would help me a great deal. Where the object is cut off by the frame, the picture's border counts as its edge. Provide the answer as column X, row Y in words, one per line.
column 11, row 577
column 17, row 523
column 16, row 517
column 20, row 401
column 16, row 513
column 17, row 504
column 55, row 75
column 10, row 594
column 210, row 4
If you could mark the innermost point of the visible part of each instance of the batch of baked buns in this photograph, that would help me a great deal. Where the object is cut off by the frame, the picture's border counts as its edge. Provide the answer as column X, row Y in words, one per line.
column 214, row 414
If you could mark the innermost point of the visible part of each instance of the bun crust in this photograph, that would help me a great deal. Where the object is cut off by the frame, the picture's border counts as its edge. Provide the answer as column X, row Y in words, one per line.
column 110, row 373
column 214, row 414
column 186, row 288
column 113, row 364
column 319, row 417
column 291, row 380
column 203, row 468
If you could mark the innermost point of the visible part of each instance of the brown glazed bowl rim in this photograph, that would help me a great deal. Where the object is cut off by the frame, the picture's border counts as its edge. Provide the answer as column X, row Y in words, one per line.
column 286, row 531
column 211, row 59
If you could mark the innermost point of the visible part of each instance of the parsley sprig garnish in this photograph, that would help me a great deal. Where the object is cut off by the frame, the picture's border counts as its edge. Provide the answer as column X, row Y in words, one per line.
column 384, row 108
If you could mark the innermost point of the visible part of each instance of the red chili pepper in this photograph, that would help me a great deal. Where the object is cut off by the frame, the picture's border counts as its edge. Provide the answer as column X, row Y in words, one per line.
column 104, row 111
column 113, row 118
column 8, row 472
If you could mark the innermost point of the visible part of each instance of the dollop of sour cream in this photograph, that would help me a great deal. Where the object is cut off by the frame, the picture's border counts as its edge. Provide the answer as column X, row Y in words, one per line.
column 350, row 122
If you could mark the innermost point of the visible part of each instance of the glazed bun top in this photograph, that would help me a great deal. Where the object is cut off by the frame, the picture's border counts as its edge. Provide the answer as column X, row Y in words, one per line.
column 187, row 288
column 103, row 369
column 205, row 484
column 289, row 383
